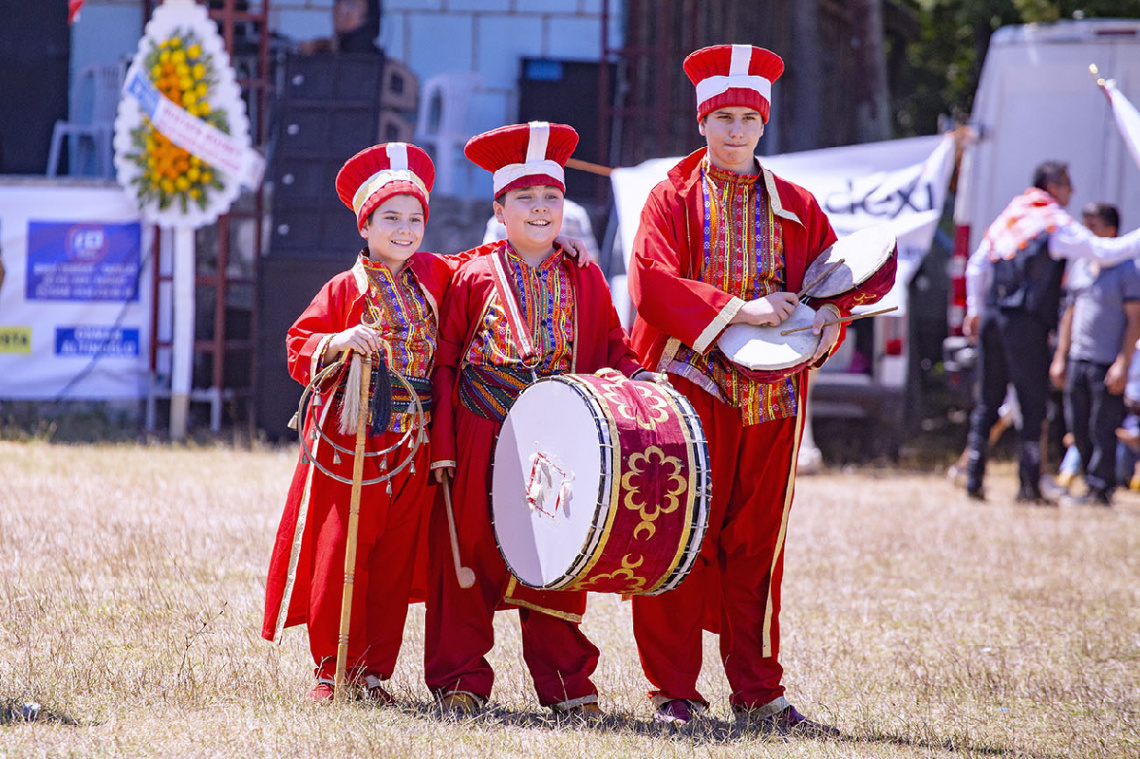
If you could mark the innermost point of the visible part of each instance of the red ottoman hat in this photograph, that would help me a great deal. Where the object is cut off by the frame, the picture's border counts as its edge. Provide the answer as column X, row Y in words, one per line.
column 524, row 155
column 733, row 75
column 383, row 171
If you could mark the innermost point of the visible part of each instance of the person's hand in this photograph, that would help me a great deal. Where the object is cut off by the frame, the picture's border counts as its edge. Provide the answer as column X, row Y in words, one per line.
column 575, row 247
column 829, row 334
column 1117, row 377
column 361, row 339
column 769, row 311
column 1057, row 372
column 647, row 376
column 443, row 473
column 970, row 327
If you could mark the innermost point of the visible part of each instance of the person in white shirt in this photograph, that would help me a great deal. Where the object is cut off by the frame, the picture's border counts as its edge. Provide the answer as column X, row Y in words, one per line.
column 1013, row 300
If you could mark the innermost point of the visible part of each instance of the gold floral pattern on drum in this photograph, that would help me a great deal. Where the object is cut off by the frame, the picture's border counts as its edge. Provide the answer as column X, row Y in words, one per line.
column 672, row 486
column 636, row 583
column 652, row 411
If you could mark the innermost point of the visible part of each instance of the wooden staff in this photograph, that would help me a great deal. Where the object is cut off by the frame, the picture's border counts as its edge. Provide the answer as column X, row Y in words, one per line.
column 463, row 575
column 844, row 320
column 350, row 539
column 821, row 277
column 593, row 168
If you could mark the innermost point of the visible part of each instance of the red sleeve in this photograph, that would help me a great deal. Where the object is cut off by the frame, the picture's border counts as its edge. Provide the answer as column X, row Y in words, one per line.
column 306, row 340
column 694, row 312
column 619, row 354
column 454, row 325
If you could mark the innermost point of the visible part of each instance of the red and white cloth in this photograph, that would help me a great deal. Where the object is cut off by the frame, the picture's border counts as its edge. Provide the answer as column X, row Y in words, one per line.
column 1027, row 216
column 732, row 76
column 524, row 155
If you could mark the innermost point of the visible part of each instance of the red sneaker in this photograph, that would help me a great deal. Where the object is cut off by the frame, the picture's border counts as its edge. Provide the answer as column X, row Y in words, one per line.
column 321, row 692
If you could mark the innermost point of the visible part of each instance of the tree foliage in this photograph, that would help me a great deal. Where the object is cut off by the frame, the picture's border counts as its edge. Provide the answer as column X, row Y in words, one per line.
column 943, row 66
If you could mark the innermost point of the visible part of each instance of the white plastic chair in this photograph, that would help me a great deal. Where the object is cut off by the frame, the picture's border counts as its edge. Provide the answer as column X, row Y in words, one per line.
column 105, row 82
column 441, row 122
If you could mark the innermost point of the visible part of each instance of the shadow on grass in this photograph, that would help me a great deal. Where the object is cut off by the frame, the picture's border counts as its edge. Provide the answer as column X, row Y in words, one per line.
column 13, row 712
column 702, row 731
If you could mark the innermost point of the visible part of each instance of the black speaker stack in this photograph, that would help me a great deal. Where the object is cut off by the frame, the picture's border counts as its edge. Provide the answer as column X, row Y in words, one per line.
column 329, row 107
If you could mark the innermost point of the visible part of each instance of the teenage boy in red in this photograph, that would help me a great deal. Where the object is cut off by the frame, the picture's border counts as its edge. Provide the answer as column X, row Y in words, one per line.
column 724, row 241
column 516, row 312
column 386, row 305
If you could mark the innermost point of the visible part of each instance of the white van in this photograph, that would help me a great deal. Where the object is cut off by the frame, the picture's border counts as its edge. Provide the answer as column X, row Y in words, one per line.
column 1037, row 101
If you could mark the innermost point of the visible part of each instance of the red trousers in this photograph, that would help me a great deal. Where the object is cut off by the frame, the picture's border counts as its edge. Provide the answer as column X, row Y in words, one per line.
column 458, row 629
column 734, row 587
column 387, row 535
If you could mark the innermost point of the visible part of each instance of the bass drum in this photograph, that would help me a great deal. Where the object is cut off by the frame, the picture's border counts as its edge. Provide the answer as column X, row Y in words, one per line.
column 601, row 483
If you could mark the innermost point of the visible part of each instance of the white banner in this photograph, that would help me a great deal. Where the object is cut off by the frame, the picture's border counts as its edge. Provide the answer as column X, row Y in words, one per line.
column 75, row 300
column 900, row 183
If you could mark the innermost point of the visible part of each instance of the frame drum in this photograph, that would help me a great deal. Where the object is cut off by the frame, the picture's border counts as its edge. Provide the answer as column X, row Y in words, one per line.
column 762, row 353
column 865, row 253
column 600, row 483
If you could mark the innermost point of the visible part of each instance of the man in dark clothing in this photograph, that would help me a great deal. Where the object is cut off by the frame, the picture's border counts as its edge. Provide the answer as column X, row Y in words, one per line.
column 1098, row 335
column 1013, row 294
column 356, row 24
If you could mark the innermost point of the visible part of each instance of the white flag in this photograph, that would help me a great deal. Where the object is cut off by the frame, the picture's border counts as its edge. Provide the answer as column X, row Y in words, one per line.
column 1127, row 119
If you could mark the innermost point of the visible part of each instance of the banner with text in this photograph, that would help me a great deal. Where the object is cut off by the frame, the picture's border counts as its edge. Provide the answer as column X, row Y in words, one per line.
column 75, row 299
column 900, row 183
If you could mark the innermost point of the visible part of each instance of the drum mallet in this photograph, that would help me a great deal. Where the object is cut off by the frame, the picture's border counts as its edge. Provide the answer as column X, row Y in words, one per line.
column 463, row 575
column 350, row 538
column 826, row 273
column 844, row 320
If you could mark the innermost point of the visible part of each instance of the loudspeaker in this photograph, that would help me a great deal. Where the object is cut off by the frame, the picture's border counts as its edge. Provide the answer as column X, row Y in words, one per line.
column 285, row 289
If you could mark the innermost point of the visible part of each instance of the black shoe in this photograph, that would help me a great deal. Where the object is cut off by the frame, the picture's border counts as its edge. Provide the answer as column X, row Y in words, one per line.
column 1033, row 496
column 976, row 494
column 1094, row 497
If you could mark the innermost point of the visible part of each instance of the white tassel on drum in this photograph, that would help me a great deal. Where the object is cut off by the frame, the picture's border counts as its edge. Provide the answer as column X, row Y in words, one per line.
column 350, row 408
column 541, row 485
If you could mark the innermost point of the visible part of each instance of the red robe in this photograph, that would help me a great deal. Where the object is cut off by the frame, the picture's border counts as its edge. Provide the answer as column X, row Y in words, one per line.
column 306, row 569
column 458, row 630
column 735, row 587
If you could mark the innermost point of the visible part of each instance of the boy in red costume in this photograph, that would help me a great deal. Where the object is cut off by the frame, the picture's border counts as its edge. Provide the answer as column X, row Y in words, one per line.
column 724, row 241
column 385, row 305
column 516, row 312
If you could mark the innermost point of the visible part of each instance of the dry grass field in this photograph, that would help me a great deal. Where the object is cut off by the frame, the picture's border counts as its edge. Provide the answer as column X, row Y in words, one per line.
column 131, row 582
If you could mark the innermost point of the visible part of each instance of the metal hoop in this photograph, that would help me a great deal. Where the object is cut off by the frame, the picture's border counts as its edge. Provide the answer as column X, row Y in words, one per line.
column 417, row 428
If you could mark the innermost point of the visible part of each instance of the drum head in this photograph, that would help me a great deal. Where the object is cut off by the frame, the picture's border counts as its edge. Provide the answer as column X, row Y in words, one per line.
column 863, row 253
column 765, row 349
column 554, row 420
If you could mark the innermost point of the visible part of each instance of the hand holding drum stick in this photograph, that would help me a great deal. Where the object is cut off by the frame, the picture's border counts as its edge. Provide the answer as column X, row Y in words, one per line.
column 353, row 524
column 844, row 320
column 463, row 575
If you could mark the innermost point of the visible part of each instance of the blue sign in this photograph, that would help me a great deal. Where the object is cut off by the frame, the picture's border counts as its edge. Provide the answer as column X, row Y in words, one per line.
column 91, row 340
column 83, row 261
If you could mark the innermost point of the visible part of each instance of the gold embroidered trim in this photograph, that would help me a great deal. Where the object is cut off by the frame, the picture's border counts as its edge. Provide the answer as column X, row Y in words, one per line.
column 801, row 395
column 774, row 198
column 717, row 325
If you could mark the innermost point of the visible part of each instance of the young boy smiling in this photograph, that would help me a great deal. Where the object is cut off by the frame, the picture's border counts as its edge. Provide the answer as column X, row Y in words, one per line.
column 384, row 305
column 516, row 312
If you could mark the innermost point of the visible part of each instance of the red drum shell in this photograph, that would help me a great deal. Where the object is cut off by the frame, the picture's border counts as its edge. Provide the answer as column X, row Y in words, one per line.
column 639, row 522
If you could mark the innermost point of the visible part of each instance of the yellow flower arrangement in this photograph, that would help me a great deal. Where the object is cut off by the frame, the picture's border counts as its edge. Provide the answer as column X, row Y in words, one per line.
column 184, row 74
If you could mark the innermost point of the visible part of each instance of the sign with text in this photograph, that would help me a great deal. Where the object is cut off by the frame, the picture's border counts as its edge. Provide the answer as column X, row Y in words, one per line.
column 83, row 261
column 75, row 304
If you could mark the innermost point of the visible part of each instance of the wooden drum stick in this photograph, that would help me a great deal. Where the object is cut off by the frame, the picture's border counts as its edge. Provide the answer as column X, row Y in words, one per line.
column 843, row 320
column 821, row 277
column 463, row 575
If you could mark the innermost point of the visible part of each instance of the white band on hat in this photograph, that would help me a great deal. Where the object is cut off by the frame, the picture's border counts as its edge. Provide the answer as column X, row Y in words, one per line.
column 373, row 184
column 397, row 155
column 513, row 171
column 709, row 88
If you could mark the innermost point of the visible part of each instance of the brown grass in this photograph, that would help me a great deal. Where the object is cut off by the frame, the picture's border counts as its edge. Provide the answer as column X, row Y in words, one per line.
column 131, row 583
